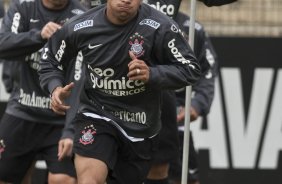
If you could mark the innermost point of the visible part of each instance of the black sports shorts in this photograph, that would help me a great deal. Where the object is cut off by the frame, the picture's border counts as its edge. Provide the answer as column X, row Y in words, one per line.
column 22, row 140
column 128, row 162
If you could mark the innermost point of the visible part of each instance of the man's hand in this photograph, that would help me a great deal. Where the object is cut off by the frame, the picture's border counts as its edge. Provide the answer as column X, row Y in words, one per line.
column 193, row 114
column 138, row 69
column 64, row 148
column 58, row 96
column 181, row 114
column 49, row 29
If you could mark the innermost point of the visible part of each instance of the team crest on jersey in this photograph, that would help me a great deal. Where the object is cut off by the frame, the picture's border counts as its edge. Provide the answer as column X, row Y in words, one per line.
column 136, row 41
column 2, row 147
column 87, row 135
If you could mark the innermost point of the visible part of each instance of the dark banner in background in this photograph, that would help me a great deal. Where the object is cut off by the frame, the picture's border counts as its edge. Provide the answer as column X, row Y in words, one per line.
column 241, row 139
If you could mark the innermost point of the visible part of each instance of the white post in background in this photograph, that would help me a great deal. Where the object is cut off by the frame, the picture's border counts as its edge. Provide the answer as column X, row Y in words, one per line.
column 185, row 157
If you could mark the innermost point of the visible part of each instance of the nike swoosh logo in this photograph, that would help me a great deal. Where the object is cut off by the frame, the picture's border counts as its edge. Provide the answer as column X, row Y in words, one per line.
column 94, row 46
column 34, row 20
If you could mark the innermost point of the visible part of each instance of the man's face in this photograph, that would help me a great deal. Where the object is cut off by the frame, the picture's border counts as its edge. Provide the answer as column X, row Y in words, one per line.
column 55, row 4
column 121, row 11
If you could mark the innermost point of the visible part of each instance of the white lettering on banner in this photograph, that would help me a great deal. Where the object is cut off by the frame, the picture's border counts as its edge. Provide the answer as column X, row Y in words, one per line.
column 244, row 133
column 272, row 144
column 214, row 138
column 245, row 137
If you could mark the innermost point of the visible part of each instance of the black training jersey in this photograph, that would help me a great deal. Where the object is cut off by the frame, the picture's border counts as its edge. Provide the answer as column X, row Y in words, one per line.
column 21, row 41
column 131, row 105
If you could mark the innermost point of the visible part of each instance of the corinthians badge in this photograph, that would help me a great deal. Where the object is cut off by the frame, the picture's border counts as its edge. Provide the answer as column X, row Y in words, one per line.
column 136, row 41
column 87, row 135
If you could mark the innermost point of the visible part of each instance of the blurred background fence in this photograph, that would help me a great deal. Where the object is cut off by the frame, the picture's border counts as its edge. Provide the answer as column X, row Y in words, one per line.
column 255, row 18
